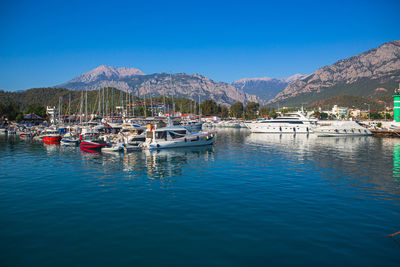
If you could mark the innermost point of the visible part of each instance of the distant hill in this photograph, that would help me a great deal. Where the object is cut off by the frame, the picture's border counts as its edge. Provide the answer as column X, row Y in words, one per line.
column 361, row 75
column 350, row 101
column 45, row 97
column 179, row 84
column 266, row 88
column 74, row 99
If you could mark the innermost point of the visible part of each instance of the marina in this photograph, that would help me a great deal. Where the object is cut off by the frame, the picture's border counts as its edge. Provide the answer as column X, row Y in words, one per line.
column 281, row 198
column 186, row 133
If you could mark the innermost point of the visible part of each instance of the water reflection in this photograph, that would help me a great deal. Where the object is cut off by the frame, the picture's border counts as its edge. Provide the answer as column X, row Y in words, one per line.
column 355, row 161
column 157, row 164
column 303, row 143
column 169, row 163
column 396, row 162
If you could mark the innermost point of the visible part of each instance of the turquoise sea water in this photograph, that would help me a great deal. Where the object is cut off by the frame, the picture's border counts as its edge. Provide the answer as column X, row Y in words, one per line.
column 250, row 200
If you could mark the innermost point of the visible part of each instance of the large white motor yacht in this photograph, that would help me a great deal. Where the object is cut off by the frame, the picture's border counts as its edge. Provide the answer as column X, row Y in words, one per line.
column 340, row 128
column 292, row 123
column 394, row 125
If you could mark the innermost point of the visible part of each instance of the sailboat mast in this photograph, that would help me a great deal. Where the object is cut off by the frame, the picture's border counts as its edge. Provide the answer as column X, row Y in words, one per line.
column 69, row 109
column 145, row 106
column 102, row 108
column 172, row 91
column 107, row 114
column 59, row 110
column 99, row 102
column 164, row 102
column 133, row 103
column 86, row 107
column 126, row 104
column 199, row 104
column 112, row 105
column 120, row 101
column 151, row 103
column 80, row 109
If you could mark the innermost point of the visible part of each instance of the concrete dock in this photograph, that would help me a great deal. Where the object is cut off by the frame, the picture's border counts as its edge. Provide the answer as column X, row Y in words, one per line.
column 386, row 133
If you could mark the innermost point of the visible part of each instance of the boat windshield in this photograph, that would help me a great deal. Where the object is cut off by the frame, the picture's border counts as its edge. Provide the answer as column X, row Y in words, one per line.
column 177, row 134
column 161, row 135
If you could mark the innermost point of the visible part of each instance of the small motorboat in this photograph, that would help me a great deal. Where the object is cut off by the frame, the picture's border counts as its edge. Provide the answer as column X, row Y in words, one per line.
column 92, row 144
column 50, row 136
column 3, row 130
column 192, row 126
column 113, row 148
column 336, row 128
column 90, row 141
column 25, row 135
column 69, row 139
column 131, row 148
column 133, row 135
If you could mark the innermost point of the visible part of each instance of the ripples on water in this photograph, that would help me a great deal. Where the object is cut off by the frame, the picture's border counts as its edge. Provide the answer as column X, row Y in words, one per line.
column 251, row 199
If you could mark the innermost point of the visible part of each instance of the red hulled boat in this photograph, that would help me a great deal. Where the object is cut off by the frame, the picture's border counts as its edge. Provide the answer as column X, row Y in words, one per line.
column 90, row 141
column 51, row 136
column 92, row 145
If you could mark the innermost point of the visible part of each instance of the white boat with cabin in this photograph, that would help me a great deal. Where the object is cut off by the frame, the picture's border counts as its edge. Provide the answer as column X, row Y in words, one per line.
column 69, row 139
column 174, row 136
column 340, row 128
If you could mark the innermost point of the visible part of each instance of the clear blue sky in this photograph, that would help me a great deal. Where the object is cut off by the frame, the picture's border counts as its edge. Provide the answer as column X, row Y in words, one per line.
column 45, row 43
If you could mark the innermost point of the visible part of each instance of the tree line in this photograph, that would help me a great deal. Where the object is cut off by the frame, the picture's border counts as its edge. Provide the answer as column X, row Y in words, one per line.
column 106, row 100
column 12, row 111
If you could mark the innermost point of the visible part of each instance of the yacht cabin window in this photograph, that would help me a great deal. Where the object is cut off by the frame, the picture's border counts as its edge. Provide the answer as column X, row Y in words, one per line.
column 177, row 134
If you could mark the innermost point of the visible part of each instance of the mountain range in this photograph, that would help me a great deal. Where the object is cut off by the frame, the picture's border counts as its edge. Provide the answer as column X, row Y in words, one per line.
column 134, row 80
column 266, row 88
column 372, row 74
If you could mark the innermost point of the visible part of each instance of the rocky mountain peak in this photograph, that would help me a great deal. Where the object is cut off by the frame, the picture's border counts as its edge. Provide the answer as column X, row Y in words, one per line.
column 265, row 87
column 179, row 84
column 107, row 72
column 294, row 78
column 358, row 75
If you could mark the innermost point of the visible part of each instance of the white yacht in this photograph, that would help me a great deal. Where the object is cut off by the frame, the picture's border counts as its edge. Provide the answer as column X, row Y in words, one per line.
column 340, row 128
column 192, row 125
column 133, row 134
column 69, row 139
column 3, row 130
column 292, row 123
column 394, row 125
column 176, row 136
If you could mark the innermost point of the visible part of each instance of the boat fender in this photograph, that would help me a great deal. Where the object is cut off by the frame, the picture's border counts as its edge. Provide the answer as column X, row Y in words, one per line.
column 185, row 140
column 158, row 145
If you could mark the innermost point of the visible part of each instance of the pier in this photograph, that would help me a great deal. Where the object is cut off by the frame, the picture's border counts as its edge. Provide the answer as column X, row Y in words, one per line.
column 385, row 133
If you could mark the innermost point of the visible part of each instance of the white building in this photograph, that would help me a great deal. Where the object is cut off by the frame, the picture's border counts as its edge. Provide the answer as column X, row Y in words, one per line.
column 339, row 111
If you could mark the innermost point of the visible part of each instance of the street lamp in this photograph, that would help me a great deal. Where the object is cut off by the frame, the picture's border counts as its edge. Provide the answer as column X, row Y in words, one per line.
column 385, row 112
